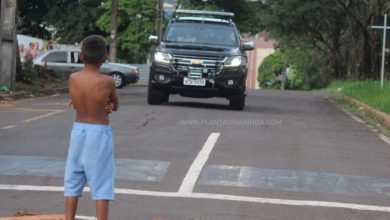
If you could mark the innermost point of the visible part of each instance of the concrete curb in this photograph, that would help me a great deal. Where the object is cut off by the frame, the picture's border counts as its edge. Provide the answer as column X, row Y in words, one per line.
column 382, row 117
column 36, row 217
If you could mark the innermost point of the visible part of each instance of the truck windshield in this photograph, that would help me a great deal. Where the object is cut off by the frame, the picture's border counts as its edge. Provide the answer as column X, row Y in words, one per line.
column 201, row 33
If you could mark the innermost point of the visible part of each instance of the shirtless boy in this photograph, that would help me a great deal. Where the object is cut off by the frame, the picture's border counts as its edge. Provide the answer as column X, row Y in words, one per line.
column 91, row 154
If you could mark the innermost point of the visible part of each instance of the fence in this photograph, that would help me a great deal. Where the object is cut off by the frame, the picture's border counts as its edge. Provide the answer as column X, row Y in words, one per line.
column 143, row 73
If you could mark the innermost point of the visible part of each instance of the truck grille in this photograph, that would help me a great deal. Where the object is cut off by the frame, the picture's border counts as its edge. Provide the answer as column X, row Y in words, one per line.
column 209, row 65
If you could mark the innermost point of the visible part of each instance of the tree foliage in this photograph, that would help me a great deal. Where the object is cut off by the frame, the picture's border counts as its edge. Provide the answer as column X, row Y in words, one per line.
column 336, row 36
column 78, row 19
column 247, row 14
column 298, row 65
column 68, row 20
column 337, row 33
column 271, row 67
column 30, row 19
column 136, row 21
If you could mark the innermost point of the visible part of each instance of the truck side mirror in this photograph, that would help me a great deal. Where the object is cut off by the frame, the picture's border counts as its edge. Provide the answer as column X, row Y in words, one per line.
column 153, row 39
column 248, row 45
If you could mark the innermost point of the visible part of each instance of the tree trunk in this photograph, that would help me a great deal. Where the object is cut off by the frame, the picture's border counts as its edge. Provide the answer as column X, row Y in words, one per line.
column 365, row 71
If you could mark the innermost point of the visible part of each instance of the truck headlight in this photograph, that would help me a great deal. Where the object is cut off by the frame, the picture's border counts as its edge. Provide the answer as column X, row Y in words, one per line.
column 162, row 57
column 233, row 61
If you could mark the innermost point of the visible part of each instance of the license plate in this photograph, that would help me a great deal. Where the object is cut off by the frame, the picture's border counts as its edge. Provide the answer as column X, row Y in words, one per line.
column 194, row 82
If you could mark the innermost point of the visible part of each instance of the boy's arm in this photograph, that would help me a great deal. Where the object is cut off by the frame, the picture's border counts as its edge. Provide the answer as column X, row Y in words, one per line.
column 113, row 97
column 70, row 103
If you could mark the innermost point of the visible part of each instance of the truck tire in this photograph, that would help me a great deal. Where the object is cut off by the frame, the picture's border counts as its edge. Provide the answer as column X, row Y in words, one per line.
column 155, row 96
column 237, row 102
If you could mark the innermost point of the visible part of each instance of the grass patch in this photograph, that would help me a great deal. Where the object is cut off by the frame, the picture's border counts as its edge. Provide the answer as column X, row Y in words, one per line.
column 368, row 92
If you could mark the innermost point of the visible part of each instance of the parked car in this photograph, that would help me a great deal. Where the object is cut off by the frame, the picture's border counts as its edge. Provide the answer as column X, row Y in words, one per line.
column 200, row 55
column 67, row 61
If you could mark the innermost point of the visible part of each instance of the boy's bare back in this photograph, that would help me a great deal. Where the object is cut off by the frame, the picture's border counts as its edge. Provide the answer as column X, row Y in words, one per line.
column 90, row 93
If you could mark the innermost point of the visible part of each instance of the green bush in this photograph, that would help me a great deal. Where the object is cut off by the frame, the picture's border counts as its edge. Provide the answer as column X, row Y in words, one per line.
column 28, row 73
column 302, row 74
column 271, row 66
column 296, row 78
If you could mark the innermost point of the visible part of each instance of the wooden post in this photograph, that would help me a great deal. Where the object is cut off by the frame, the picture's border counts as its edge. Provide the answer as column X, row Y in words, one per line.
column 159, row 18
column 8, row 44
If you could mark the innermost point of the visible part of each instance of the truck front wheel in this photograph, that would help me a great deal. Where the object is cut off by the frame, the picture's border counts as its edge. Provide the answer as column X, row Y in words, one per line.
column 156, row 96
column 237, row 102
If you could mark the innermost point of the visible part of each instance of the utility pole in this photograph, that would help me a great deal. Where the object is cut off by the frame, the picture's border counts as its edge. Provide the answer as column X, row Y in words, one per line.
column 159, row 18
column 8, row 43
column 113, row 32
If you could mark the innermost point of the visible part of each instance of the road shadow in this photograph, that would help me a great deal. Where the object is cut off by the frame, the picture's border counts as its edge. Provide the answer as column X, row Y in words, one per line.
column 266, row 109
column 202, row 105
column 248, row 108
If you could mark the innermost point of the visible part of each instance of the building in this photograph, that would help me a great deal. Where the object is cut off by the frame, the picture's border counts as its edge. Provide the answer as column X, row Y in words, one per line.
column 263, row 48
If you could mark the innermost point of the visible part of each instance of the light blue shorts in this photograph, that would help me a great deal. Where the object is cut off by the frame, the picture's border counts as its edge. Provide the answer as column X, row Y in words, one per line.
column 90, row 160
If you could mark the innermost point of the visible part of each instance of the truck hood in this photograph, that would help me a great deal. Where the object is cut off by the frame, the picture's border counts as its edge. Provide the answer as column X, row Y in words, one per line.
column 198, row 50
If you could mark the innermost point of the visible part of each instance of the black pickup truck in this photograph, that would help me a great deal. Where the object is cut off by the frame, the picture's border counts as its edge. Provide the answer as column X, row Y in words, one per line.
column 200, row 55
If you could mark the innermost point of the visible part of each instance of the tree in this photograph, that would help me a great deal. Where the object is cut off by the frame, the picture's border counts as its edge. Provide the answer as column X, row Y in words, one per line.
column 310, row 25
column 73, row 20
column 136, row 21
column 337, row 32
column 362, row 46
column 247, row 14
column 30, row 18
column 69, row 20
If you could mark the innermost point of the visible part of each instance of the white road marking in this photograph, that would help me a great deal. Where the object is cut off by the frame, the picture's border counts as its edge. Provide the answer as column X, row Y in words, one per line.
column 43, row 116
column 294, row 181
column 31, row 188
column 8, row 127
column 81, row 217
column 41, row 166
column 260, row 200
column 51, row 103
column 193, row 173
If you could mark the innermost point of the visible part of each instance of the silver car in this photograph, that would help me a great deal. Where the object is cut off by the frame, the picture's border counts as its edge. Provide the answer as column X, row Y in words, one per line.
column 67, row 61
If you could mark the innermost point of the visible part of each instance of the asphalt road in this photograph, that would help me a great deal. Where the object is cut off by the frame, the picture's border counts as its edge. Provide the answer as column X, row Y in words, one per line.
column 288, row 155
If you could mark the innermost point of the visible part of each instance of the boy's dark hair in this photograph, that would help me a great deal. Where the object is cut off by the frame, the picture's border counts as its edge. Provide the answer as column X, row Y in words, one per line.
column 94, row 49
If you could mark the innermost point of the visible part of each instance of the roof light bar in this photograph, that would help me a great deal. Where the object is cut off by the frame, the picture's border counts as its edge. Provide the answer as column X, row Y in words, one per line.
column 208, row 13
